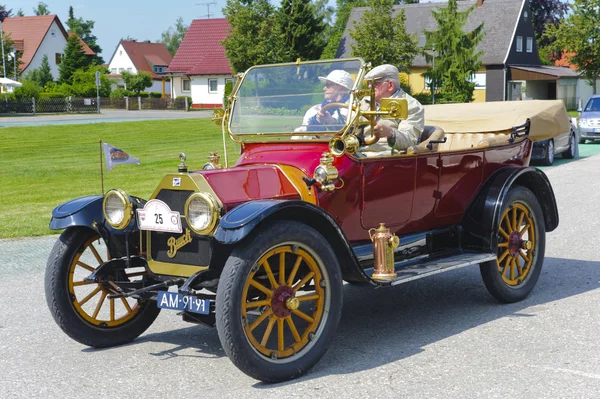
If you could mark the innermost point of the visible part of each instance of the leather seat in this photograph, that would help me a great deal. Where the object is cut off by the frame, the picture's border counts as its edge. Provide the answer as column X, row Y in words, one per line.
column 429, row 133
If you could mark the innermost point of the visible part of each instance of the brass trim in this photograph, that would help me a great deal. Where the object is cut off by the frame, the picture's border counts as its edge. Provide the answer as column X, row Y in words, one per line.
column 295, row 176
column 173, row 269
column 127, row 208
column 213, row 209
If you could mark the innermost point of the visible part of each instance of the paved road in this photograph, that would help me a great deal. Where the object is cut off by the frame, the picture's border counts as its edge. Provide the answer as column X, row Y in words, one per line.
column 108, row 115
column 442, row 337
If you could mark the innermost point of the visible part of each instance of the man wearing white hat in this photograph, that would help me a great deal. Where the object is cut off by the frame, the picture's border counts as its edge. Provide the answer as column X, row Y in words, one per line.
column 338, row 84
column 394, row 135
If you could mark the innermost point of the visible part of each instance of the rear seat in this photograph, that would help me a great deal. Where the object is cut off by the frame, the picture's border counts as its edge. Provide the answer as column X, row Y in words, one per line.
column 463, row 141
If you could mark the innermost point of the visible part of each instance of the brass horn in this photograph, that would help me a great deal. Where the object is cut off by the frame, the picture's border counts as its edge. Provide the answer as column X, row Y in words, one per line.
column 339, row 145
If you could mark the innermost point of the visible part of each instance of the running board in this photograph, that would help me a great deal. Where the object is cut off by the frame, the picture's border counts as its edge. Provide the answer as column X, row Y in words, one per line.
column 429, row 267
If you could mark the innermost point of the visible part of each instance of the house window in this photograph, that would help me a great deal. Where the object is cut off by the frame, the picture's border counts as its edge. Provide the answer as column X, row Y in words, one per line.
column 185, row 85
column 57, row 58
column 525, row 15
column 529, row 44
column 155, row 69
column 479, row 79
column 120, row 70
column 129, row 70
column 519, row 44
column 228, row 80
column 113, row 70
column 213, row 85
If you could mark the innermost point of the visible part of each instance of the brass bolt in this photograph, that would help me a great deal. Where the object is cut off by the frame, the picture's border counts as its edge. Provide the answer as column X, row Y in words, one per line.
column 292, row 303
column 526, row 244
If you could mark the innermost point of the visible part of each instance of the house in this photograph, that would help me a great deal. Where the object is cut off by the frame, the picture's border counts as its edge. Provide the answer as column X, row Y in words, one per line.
column 511, row 66
column 37, row 36
column 133, row 56
column 200, row 68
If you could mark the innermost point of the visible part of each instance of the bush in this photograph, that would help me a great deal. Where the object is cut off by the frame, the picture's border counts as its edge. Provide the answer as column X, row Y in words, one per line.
column 155, row 95
column 29, row 90
column 120, row 93
column 144, row 94
column 52, row 95
column 227, row 93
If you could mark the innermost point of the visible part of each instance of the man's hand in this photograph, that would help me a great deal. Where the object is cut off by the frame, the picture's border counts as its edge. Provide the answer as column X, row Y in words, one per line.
column 382, row 131
column 325, row 118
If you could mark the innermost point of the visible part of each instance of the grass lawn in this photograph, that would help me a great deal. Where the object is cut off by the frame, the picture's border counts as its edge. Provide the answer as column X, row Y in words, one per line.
column 43, row 166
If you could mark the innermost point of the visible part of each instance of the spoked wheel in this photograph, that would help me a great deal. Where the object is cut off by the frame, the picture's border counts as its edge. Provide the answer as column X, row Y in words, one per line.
column 521, row 245
column 570, row 153
column 279, row 302
column 81, row 308
column 549, row 157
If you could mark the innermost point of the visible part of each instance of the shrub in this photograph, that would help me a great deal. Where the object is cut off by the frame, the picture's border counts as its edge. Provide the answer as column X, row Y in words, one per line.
column 155, row 95
column 120, row 93
column 227, row 93
column 52, row 95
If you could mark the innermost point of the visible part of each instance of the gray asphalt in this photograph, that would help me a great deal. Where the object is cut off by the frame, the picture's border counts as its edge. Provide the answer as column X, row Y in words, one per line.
column 441, row 337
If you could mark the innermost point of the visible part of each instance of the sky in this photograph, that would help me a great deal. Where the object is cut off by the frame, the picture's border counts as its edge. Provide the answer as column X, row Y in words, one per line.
column 141, row 20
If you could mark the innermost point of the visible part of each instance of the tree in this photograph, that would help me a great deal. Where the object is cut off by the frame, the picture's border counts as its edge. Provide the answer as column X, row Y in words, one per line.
column 579, row 35
column 253, row 39
column 456, row 58
column 137, row 83
column 301, row 29
column 84, row 82
column 84, row 30
column 173, row 36
column 13, row 66
column 381, row 38
column 4, row 13
column 41, row 9
column 73, row 59
column 45, row 73
column 545, row 13
column 20, row 13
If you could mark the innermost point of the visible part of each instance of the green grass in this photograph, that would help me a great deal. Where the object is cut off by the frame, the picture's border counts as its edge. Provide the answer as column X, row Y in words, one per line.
column 44, row 166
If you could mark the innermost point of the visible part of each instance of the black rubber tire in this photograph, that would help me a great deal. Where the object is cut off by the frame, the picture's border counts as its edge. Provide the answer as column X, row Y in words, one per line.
column 59, row 300
column 582, row 141
column 489, row 271
column 549, row 156
column 570, row 152
column 229, row 323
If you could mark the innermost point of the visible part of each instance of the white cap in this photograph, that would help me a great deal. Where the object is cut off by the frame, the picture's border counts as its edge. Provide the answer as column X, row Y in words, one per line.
column 339, row 77
column 386, row 71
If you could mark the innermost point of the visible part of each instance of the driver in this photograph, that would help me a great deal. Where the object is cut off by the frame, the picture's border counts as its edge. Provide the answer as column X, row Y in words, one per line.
column 394, row 135
column 336, row 90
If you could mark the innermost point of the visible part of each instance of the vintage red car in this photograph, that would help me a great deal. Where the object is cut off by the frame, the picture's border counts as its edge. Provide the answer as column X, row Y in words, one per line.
column 261, row 248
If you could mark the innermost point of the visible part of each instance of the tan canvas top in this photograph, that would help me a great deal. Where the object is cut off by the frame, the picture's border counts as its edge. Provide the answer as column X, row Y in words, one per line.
column 548, row 118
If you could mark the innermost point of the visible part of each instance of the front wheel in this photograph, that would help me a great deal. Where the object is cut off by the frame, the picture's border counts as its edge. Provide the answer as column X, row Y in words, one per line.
column 82, row 309
column 549, row 157
column 279, row 301
column 521, row 245
column 570, row 153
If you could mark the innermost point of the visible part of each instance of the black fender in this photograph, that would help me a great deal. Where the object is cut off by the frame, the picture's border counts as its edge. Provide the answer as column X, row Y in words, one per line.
column 481, row 220
column 243, row 219
column 87, row 211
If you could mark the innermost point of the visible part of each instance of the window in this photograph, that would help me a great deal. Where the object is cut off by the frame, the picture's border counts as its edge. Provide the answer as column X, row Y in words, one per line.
column 113, row 70
column 120, row 70
column 185, row 85
column 213, row 85
column 155, row 69
column 530, row 44
column 129, row 70
column 479, row 79
column 525, row 15
column 53, row 34
column 57, row 58
column 519, row 44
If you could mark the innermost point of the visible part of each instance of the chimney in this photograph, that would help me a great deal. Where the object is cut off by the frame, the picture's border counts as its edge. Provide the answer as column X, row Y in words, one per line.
column 480, row 3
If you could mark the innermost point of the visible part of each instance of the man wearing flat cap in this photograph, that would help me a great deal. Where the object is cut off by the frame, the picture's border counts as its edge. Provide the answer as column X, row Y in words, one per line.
column 394, row 135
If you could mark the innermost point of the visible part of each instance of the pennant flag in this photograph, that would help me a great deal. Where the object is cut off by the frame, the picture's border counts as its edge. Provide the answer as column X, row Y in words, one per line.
column 116, row 156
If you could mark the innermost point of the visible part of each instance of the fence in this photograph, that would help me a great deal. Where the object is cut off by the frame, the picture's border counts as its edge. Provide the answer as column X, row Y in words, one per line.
column 88, row 105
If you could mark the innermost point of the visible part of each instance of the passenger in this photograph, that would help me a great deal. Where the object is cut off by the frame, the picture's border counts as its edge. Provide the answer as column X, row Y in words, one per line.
column 394, row 135
column 337, row 90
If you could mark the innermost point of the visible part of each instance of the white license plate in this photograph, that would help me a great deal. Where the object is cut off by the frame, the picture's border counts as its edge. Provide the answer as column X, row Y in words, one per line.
column 157, row 216
column 176, row 301
column 596, row 130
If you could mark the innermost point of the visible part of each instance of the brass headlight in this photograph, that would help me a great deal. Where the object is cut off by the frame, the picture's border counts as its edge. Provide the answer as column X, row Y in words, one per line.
column 202, row 212
column 117, row 209
column 325, row 172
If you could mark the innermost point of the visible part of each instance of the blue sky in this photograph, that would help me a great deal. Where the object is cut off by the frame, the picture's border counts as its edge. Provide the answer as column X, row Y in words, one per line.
column 118, row 19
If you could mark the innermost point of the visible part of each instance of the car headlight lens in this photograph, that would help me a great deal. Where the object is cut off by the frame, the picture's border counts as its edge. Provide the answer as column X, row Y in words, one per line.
column 202, row 213
column 117, row 209
column 320, row 174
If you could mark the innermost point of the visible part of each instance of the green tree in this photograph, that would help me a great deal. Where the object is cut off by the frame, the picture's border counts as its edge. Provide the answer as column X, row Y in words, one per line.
column 41, row 9
column 456, row 58
column 20, row 13
column 253, row 38
column 73, row 60
column 84, row 30
column 302, row 29
column 137, row 83
column 579, row 35
column 42, row 75
column 381, row 38
column 10, row 51
column 173, row 36
column 84, row 82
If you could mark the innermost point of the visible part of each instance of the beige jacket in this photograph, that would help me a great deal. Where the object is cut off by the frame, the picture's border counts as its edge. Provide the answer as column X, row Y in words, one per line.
column 405, row 132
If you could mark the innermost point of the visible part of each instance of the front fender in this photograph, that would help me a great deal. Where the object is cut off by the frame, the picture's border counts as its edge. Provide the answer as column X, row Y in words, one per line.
column 243, row 219
column 482, row 219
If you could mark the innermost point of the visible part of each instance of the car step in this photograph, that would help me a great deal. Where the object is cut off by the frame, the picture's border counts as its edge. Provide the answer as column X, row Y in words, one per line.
column 428, row 267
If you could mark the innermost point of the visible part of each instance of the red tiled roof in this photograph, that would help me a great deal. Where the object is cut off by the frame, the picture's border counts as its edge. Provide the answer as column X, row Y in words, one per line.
column 200, row 51
column 139, row 52
column 86, row 48
column 565, row 62
column 30, row 31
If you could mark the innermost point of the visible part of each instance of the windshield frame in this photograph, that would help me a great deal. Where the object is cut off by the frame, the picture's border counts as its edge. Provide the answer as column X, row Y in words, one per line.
column 286, row 135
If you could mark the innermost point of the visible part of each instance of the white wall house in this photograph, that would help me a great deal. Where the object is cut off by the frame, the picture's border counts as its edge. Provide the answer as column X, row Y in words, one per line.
column 200, row 69
column 133, row 56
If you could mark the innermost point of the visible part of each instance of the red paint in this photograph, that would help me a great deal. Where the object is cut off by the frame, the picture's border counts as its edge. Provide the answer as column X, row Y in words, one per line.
column 206, row 106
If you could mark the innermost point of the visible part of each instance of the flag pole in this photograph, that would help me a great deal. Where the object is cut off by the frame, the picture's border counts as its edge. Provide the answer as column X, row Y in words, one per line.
column 101, row 169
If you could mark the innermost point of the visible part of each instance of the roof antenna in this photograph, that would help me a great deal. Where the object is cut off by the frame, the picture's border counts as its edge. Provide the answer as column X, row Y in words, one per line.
column 208, row 13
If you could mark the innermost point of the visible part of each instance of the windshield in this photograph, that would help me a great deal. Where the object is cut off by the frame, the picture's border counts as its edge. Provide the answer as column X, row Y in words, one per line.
column 593, row 105
column 286, row 99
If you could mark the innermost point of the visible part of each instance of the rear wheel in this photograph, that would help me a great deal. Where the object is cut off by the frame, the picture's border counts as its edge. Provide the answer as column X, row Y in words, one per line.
column 549, row 157
column 279, row 302
column 570, row 152
column 582, row 141
column 521, row 245
column 82, row 309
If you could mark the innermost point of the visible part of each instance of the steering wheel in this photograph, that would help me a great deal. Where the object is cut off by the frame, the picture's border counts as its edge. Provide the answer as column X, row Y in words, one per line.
column 371, row 119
